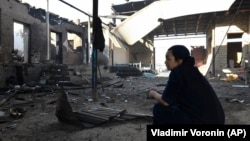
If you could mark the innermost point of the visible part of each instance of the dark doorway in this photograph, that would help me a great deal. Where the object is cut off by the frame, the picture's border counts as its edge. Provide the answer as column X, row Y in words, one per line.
column 234, row 54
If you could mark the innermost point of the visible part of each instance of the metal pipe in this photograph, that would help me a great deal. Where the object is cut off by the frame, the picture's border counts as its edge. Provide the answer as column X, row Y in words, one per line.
column 48, row 30
column 89, row 40
column 75, row 8
column 94, row 53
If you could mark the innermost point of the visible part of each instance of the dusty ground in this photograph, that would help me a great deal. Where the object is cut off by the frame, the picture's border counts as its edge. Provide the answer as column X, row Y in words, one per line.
column 39, row 122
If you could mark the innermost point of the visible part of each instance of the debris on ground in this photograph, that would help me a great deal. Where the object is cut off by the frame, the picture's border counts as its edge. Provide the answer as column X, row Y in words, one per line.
column 46, row 112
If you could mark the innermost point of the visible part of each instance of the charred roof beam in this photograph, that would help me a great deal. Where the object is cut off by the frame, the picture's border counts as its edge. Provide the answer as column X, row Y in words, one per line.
column 185, row 25
column 198, row 23
column 163, row 26
column 174, row 27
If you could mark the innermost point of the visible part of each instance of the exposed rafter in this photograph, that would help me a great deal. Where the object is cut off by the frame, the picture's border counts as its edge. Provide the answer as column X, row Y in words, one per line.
column 174, row 28
column 198, row 23
column 187, row 24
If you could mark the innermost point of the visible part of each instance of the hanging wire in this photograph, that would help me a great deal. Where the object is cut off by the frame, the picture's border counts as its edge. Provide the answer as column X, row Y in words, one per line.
column 89, row 15
column 216, row 51
column 233, row 18
column 75, row 8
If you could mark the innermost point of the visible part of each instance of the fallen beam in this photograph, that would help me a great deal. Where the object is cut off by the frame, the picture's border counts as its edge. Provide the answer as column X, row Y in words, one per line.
column 8, row 97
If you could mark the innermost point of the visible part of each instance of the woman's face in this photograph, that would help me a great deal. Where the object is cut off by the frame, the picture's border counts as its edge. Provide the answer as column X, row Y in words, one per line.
column 170, row 61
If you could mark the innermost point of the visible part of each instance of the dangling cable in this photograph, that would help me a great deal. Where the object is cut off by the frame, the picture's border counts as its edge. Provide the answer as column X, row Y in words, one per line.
column 237, row 11
column 233, row 18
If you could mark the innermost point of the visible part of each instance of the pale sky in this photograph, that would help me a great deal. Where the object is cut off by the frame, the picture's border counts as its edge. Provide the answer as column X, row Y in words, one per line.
column 63, row 10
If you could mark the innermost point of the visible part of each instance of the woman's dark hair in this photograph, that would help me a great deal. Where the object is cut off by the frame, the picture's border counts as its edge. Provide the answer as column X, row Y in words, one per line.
column 181, row 52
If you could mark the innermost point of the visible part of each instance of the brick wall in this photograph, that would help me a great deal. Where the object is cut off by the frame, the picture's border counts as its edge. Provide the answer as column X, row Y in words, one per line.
column 13, row 11
column 217, row 36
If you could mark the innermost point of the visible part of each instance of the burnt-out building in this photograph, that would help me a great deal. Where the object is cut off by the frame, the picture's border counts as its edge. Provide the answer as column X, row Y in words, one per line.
column 226, row 29
column 29, row 41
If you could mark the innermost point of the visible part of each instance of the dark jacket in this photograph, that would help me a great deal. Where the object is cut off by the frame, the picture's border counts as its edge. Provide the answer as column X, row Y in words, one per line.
column 189, row 90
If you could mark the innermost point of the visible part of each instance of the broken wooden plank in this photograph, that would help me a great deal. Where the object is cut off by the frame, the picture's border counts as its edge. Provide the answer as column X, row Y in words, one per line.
column 8, row 97
column 105, row 110
column 118, row 114
column 108, row 113
column 93, row 115
column 83, row 77
column 128, row 116
column 112, row 82
column 91, row 118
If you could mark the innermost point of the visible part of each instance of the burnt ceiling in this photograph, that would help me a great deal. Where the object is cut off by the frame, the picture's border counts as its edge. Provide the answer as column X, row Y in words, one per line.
column 181, row 26
column 40, row 14
column 130, row 7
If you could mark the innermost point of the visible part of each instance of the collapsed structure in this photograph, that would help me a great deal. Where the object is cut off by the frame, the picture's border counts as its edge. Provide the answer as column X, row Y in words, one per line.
column 24, row 52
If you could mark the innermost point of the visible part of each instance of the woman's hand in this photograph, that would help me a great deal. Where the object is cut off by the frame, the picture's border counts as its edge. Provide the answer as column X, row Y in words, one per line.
column 152, row 93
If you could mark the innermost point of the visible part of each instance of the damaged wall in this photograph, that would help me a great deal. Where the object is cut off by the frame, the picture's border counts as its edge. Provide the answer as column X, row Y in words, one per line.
column 13, row 11
column 141, row 52
column 34, row 20
column 122, row 53
column 219, row 38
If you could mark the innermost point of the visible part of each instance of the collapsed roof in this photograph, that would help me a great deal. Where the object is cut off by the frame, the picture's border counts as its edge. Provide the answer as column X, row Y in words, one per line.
column 171, row 17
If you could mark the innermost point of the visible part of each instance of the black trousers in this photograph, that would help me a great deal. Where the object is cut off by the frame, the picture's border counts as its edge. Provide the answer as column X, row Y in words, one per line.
column 169, row 115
